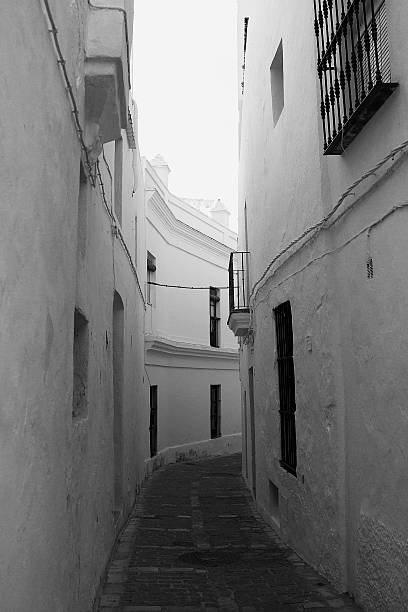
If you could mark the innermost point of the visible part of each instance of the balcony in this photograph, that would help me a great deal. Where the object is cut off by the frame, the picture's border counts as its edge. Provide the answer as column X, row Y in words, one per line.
column 353, row 67
column 107, row 77
column 238, row 320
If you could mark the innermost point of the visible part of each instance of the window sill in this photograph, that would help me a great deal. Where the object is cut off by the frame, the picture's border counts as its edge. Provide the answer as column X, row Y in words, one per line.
column 288, row 468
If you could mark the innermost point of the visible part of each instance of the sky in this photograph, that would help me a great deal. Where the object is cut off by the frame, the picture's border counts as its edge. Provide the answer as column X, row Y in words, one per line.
column 185, row 88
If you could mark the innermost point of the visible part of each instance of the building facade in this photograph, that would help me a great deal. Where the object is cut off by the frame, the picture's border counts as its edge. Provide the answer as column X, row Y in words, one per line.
column 323, row 220
column 191, row 355
column 74, row 408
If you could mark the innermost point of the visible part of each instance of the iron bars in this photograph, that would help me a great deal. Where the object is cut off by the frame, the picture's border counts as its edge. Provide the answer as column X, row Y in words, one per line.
column 286, row 374
column 238, row 284
column 353, row 67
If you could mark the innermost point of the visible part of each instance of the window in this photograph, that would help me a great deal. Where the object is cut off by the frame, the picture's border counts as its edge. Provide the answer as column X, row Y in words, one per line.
column 277, row 84
column 286, row 374
column 151, row 278
column 215, row 411
column 214, row 317
column 80, row 366
column 354, row 68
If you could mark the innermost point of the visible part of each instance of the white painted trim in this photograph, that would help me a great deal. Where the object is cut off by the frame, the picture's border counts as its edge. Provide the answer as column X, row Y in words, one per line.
column 176, row 229
column 225, row 445
column 177, row 348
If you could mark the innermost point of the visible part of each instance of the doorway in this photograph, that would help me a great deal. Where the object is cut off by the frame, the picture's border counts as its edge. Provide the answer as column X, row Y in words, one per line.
column 252, row 427
column 118, row 328
column 153, row 420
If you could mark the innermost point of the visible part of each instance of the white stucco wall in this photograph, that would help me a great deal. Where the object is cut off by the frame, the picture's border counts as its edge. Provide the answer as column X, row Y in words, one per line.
column 179, row 358
column 345, row 510
column 56, row 480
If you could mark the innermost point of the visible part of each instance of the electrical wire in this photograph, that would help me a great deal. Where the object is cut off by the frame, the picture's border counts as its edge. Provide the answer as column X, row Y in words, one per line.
column 116, row 231
column 181, row 286
column 367, row 229
column 323, row 223
column 68, row 86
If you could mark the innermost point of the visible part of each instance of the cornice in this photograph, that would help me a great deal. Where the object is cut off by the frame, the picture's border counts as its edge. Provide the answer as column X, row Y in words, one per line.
column 179, row 229
column 168, row 346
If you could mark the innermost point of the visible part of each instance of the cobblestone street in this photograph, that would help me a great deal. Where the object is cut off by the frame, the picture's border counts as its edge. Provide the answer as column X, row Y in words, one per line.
column 194, row 543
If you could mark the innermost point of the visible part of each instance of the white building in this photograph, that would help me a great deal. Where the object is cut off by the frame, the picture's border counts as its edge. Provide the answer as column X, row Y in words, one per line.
column 74, row 404
column 323, row 213
column 191, row 355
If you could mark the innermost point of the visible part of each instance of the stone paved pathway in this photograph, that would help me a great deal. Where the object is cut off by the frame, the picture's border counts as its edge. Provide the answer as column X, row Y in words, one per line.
column 194, row 543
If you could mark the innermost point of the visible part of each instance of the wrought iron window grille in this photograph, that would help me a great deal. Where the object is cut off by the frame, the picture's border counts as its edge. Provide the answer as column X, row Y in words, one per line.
column 353, row 67
column 286, row 375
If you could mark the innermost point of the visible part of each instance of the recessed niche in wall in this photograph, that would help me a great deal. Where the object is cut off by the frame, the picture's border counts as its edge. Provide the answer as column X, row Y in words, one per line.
column 80, row 366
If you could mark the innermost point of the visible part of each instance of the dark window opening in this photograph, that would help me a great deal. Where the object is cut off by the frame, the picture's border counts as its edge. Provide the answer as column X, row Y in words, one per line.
column 80, row 366
column 151, row 278
column 286, row 374
column 153, row 420
column 215, row 411
column 353, row 67
column 214, row 317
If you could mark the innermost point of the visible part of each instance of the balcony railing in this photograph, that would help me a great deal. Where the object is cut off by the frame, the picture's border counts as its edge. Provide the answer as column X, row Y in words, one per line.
column 238, row 320
column 353, row 65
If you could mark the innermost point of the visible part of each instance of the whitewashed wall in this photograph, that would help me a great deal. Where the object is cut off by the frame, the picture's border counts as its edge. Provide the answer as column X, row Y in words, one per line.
column 345, row 510
column 178, row 354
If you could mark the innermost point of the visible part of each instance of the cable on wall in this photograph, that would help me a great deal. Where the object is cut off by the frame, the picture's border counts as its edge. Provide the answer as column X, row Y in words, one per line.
column 93, row 175
column 368, row 229
column 181, row 286
column 115, row 229
column 323, row 224
column 68, row 87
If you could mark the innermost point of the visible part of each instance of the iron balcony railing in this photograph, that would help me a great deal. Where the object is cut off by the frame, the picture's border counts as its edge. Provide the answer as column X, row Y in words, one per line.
column 238, row 288
column 353, row 65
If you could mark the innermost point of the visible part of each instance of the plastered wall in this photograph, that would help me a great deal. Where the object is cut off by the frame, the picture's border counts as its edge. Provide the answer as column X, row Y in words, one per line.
column 57, row 523
column 179, row 359
column 345, row 510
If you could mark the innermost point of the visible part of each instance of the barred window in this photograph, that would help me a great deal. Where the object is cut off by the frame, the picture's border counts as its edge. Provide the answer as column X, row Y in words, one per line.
column 214, row 317
column 215, row 411
column 353, row 65
column 286, row 373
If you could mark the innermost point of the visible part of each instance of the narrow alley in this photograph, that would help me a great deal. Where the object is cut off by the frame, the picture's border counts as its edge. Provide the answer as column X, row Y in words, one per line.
column 195, row 542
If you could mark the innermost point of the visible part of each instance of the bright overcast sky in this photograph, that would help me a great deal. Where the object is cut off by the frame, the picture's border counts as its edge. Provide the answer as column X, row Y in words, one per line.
column 184, row 56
